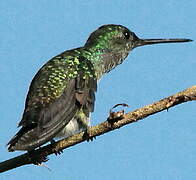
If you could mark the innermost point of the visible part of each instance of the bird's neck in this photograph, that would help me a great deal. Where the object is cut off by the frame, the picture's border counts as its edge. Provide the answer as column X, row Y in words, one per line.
column 104, row 60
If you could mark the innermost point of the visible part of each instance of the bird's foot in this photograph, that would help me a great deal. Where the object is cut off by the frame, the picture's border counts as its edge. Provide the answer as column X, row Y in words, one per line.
column 56, row 152
column 116, row 116
column 87, row 136
column 37, row 160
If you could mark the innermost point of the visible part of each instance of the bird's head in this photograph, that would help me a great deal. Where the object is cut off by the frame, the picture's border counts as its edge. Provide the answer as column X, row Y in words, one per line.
column 117, row 37
column 115, row 42
column 111, row 38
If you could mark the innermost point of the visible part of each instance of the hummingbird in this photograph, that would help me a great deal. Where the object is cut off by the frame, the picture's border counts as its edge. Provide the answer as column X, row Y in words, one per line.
column 61, row 96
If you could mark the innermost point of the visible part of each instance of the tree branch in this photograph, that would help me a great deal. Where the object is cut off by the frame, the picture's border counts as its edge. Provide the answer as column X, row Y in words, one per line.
column 138, row 114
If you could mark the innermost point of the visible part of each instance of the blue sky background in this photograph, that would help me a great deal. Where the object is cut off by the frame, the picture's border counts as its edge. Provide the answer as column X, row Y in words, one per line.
column 161, row 146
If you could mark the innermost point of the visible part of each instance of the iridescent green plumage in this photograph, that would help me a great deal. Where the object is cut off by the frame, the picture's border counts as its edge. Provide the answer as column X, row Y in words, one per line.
column 53, row 77
column 62, row 94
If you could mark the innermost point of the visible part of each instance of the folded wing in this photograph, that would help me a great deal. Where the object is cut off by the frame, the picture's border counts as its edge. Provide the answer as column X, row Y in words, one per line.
column 57, row 92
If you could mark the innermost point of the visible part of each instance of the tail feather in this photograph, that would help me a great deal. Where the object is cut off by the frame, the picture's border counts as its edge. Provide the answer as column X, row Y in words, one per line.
column 11, row 144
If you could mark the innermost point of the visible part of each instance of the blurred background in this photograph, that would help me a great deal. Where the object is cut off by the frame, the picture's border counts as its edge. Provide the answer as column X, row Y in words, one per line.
column 161, row 146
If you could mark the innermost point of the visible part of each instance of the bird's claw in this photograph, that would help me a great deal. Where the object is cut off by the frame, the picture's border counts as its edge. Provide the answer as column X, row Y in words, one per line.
column 41, row 160
column 91, row 139
column 37, row 160
column 56, row 151
column 116, row 116
column 87, row 136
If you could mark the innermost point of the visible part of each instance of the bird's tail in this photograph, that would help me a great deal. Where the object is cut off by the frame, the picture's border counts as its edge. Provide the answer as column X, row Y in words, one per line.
column 11, row 144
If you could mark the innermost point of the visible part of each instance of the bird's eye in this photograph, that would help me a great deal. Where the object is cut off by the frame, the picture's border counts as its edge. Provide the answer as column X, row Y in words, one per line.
column 126, row 34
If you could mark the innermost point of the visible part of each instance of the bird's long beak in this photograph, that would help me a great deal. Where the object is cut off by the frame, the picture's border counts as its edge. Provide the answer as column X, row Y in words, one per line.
column 142, row 42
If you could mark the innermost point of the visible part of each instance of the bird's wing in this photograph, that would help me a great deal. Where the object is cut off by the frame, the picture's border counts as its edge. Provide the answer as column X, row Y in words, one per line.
column 57, row 92
column 86, row 86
